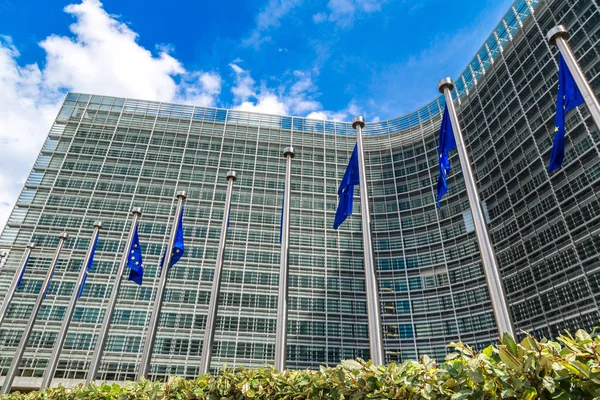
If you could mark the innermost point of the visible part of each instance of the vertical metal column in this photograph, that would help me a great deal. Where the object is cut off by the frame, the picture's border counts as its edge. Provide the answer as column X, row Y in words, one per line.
column 14, row 365
column 101, row 341
column 558, row 36
column 62, row 334
column 213, row 305
column 488, row 256
column 282, row 298
column 160, row 292
column 373, row 306
column 13, row 285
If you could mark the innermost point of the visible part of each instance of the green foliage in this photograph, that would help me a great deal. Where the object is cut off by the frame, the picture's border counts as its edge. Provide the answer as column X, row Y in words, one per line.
column 566, row 369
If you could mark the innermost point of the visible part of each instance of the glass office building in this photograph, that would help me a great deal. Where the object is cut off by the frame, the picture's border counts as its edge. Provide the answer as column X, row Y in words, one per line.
column 105, row 155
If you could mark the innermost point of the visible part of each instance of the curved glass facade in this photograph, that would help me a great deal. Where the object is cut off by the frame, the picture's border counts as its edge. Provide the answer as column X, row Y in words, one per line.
column 105, row 155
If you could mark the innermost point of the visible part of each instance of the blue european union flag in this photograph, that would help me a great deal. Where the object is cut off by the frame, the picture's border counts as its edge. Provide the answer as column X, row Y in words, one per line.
column 568, row 98
column 88, row 267
column 446, row 143
column 134, row 259
column 177, row 250
column 229, row 216
column 281, row 219
column 23, row 272
column 346, row 190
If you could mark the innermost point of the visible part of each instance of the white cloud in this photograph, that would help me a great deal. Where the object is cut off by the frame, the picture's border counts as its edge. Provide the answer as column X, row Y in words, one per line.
column 244, row 84
column 351, row 110
column 320, row 17
column 269, row 18
column 105, row 57
column 320, row 115
column 211, row 82
column 26, row 113
column 344, row 12
column 266, row 103
column 297, row 96
column 247, row 97
column 328, row 115
column 200, row 89
column 101, row 56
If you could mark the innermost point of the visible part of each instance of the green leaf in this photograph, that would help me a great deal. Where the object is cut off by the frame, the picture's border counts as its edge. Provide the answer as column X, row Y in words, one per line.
column 351, row 365
column 488, row 351
column 507, row 339
column 565, row 369
column 508, row 359
column 562, row 395
column 463, row 394
column 549, row 384
column 527, row 343
column 582, row 336
column 530, row 394
column 582, row 368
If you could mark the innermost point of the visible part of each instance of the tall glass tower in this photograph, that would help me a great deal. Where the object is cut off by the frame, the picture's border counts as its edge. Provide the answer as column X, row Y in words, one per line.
column 105, row 155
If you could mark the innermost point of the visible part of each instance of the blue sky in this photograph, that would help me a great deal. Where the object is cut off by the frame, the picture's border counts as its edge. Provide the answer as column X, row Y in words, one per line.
column 326, row 59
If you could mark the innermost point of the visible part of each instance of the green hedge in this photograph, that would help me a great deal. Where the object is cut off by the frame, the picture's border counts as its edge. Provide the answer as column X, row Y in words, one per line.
column 566, row 369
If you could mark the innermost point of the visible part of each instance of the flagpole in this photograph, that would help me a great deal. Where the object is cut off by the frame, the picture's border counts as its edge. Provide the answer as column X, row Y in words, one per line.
column 558, row 36
column 282, row 298
column 160, row 292
column 372, row 290
column 14, row 365
column 488, row 256
column 62, row 334
column 13, row 285
column 211, row 318
column 102, row 336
